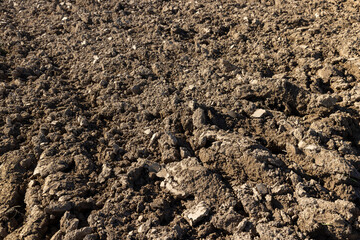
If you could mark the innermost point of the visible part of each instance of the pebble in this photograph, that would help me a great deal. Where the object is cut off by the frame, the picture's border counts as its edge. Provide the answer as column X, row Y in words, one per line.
column 191, row 87
column 82, row 121
column 105, row 173
column 227, row 66
column 325, row 73
column 58, row 207
column 195, row 214
column 136, row 89
column 280, row 190
column 242, row 225
column 199, row 118
column 154, row 138
column 193, row 105
column 259, row 113
column 184, row 152
column 147, row 132
column 261, row 188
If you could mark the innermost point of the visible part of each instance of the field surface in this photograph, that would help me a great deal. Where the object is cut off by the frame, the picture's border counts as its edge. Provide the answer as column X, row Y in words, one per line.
column 164, row 119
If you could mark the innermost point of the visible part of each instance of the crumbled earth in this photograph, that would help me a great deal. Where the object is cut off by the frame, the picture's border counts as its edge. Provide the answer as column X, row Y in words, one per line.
column 179, row 119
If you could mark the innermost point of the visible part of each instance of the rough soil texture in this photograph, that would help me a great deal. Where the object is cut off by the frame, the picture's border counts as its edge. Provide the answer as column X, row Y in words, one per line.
column 179, row 119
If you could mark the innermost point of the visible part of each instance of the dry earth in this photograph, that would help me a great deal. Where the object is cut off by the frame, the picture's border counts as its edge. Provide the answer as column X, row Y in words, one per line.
column 164, row 119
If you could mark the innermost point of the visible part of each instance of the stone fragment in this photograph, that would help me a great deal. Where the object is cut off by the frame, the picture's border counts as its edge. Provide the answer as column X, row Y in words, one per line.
column 143, row 228
column 147, row 132
column 136, row 89
column 168, row 148
column 261, row 188
column 280, row 190
column 105, row 173
column 259, row 113
column 83, row 122
column 154, row 138
column 170, row 155
column 184, row 152
column 198, row 212
column 168, row 139
column 227, row 66
column 143, row 71
column 325, row 73
column 199, row 118
column 58, row 207
column 242, row 224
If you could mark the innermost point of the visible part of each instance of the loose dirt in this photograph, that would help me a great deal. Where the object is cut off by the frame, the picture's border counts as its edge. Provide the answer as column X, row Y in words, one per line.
column 179, row 119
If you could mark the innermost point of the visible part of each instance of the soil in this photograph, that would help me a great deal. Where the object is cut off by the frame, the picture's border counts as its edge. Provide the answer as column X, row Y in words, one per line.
column 173, row 119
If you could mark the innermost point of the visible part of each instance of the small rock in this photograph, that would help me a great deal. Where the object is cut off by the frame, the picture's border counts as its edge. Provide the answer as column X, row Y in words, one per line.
column 103, row 83
column 312, row 147
column 300, row 190
column 170, row 155
column 295, row 178
column 195, row 214
column 242, row 225
column 325, row 73
column 105, row 173
column 168, row 139
column 191, row 87
column 143, row 71
column 58, row 207
column 280, row 190
column 136, row 89
column 261, row 188
column 193, row 105
column 82, row 121
column 143, row 228
column 184, row 152
column 227, row 66
column 154, row 138
column 199, row 118
column 147, row 132
column 259, row 113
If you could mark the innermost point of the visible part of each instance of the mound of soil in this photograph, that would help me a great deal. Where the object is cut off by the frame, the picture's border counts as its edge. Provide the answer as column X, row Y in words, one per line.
column 185, row 119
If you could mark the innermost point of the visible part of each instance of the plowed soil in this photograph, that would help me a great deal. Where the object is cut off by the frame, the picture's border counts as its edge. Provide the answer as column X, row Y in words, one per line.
column 179, row 119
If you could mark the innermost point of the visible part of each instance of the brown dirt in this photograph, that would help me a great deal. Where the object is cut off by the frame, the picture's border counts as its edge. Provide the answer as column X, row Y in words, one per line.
column 179, row 119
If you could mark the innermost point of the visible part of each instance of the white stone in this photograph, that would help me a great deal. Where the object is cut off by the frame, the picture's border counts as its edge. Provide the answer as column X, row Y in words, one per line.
column 148, row 132
column 197, row 213
column 259, row 113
